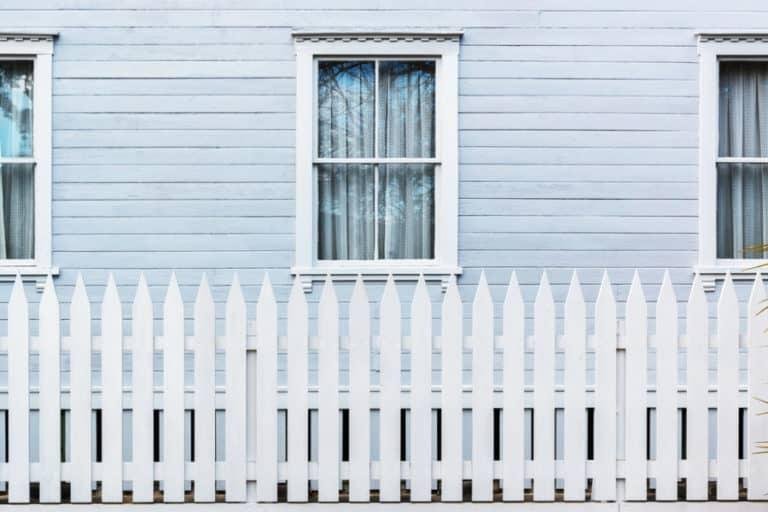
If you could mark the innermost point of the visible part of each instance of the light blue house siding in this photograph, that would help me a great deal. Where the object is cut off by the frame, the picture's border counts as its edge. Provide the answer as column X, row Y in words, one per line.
column 174, row 135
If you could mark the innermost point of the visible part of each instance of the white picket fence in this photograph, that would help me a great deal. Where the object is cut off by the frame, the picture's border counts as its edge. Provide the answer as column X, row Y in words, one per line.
column 252, row 467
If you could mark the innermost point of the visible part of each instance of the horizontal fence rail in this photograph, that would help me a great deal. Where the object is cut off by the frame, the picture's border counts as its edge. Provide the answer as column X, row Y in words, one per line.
column 629, row 409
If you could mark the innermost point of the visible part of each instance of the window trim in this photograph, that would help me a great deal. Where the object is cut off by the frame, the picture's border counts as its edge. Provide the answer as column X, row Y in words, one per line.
column 442, row 46
column 37, row 47
column 714, row 47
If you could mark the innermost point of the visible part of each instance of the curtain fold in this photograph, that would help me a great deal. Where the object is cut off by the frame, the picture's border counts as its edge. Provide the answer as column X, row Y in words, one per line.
column 742, row 223
column 17, row 198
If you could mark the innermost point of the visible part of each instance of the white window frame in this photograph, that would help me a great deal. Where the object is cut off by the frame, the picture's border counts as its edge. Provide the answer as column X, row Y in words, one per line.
column 38, row 48
column 443, row 48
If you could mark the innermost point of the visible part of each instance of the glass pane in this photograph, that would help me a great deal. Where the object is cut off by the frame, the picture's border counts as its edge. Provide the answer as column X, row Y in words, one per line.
column 407, row 109
column 744, row 109
column 15, row 108
column 345, row 109
column 345, row 219
column 406, row 211
column 17, row 204
column 742, row 206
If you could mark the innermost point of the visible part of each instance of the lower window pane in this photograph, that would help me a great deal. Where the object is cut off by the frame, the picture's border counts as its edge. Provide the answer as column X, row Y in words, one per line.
column 346, row 216
column 406, row 211
column 742, row 207
column 17, row 204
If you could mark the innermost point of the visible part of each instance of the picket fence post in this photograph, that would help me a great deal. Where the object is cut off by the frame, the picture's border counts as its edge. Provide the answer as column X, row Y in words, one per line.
column 482, row 392
column 298, row 343
column 575, row 431
column 666, row 393
column 328, row 399
column 205, row 393
column 544, row 393
column 359, row 394
column 697, row 331
column 635, row 443
column 513, row 413
column 451, row 351
column 757, row 479
column 50, row 395
column 390, row 346
column 421, row 394
column 728, row 392
column 112, row 395
column 18, row 395
column 266, row 389
column 80, row 394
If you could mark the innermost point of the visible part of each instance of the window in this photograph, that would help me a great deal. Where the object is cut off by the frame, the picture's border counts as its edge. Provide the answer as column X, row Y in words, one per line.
column 377, row 155
column 25, row 154
column 733, row 155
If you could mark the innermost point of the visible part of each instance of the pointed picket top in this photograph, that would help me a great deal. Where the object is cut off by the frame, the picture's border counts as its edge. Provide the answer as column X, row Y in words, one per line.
column 605, row 294
column 17, row 292
column 756, row 297
column 359, row 296
column 359, row 314
column 142, row 298
column 666, row 292
column 575, row 296
column 482, row 296
column 80, row 306
column 451, row 297
column 296, row 297
column 328, row 313
column 420, row 294
column 728, row 297
column 513, row 305
column 389, row 297
column 544, row 294
column 49, row 292
column 173, row 293
column 636, row 293
column 204, row 298
column 80, row 294
column 697, row 294
column 328, row 294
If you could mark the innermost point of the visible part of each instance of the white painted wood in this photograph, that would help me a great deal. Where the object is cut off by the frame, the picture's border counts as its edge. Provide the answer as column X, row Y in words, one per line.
column 359, row 394
column 18, row 395
column 544, row 393
column 604, row 477
column 235, row 380
column 575, row 341
column 112, row 393
column 757, row 483
column 482, row 392
column 266, row 389
column 667, row 434
column 390, row 343
column 298, row 340
column 205, row 388
column 636, row 467
column 50, row 395
column 328, row 399
column 451, row 351
column 142, row 396
column 697, row 384
column 80, row 394
column 421, row 394
column 513, row 415
column 728, row 392
column 173, row 394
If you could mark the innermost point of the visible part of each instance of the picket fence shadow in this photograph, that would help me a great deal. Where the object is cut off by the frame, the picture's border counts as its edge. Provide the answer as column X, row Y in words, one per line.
column 604, row 451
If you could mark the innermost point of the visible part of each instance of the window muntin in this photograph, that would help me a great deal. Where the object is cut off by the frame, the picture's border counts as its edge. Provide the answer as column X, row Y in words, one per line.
column 17, row 160
column 375, row 129
column 742, row 162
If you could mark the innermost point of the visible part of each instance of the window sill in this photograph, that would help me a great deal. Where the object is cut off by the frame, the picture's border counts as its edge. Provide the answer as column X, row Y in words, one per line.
column 433, row 273
column 739, row 270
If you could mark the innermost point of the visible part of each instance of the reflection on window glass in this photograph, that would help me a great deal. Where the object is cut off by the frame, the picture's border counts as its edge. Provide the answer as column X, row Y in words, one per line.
column 407, row 109
column 345, row 109
column 346, row 218
column 15, row 109
column 406, row 211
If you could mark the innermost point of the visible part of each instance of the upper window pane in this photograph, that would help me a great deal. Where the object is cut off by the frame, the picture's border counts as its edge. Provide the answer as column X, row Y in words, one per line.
column 743, row 109
column 346, row 109
column 15, row 109
column 407, row 109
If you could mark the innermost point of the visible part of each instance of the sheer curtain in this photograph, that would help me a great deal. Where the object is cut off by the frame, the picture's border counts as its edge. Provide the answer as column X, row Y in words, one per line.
column 352, row 222
column 17, row 198
column 742, row 188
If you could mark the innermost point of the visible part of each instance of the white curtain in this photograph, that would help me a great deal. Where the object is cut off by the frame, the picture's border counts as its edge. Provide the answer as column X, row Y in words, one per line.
column 17, row 198
column 742, row 189
column 347, row 210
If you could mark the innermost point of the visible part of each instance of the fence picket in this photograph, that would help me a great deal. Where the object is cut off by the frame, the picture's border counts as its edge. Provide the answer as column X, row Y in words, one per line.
column 728, row 392
column 758, row 392
column 452, row 345
column 235, row 397
column 266, row 389
column 18, row 395
column 482, row 393
column 513, row 437
column 359, row 394
column 697, row 384
column 604, row 477
column 50, row 396
column 173, row 394
column 80, row 393
column 544, row 393
column 328, row 380
column 142, row 397
column 575, row 341
column 112, row 394
column 298, row 338
column 666, row 393
column 421, row 394
column 205, row 393
column 635, row 444
column 390, row 343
